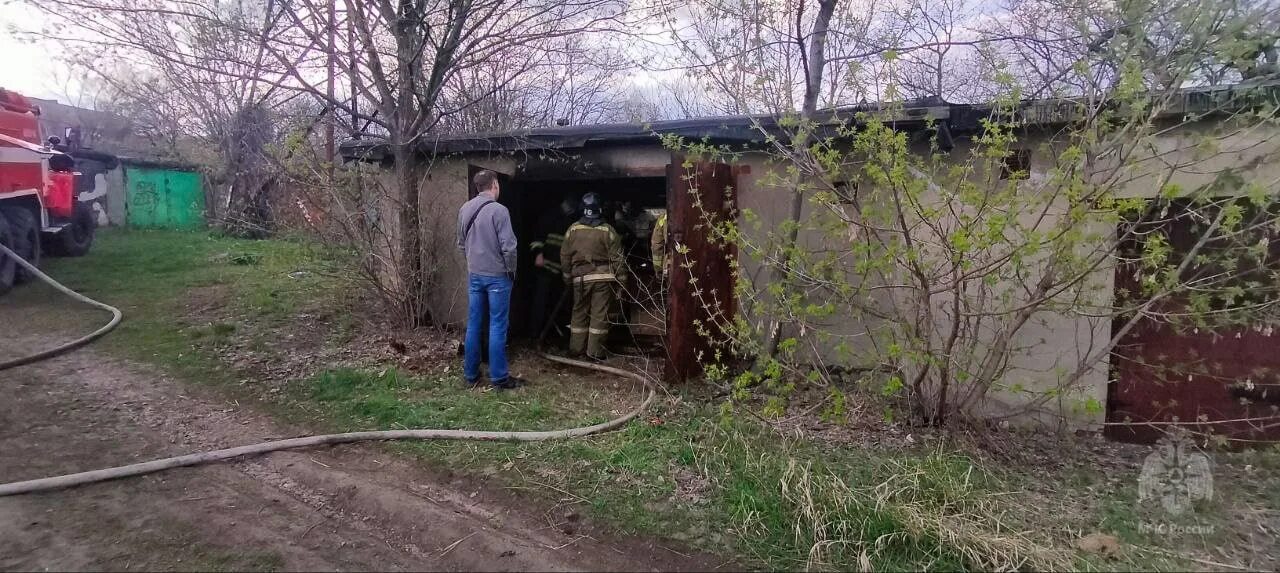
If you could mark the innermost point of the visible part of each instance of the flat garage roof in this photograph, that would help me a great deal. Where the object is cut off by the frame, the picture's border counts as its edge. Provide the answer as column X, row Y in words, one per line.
column 754, row 129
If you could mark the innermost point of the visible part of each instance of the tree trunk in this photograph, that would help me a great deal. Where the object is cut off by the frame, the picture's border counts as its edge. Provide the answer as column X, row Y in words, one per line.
column 409, row 267
column 816, row 63
column 407, row 113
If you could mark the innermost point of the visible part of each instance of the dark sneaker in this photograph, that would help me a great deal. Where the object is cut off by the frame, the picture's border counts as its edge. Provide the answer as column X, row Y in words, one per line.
column 508, row 383
column 470, row 384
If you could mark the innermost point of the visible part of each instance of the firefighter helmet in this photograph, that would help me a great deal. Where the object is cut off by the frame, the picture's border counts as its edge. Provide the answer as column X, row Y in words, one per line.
column 592, row 206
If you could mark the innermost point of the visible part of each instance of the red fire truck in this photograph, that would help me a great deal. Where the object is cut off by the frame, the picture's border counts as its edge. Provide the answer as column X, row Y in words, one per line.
column 39, row 210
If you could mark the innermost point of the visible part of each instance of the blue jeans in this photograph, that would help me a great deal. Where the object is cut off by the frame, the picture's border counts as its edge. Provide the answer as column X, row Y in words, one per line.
column 489, row 296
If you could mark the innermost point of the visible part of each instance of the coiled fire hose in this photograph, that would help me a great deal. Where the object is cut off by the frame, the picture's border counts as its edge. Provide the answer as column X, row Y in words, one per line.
column 116, row 315
column 58, row 482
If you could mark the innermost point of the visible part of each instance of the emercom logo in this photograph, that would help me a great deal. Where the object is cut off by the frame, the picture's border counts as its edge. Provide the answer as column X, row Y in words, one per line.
column 1177, row 474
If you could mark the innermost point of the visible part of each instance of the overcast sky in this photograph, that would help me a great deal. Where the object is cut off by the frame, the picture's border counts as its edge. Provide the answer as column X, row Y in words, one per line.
column 30, row 68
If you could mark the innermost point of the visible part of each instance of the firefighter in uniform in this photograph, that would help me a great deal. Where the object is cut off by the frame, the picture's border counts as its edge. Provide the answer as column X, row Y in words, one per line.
column 546, row 257
column 592, row 263
column 658, row 250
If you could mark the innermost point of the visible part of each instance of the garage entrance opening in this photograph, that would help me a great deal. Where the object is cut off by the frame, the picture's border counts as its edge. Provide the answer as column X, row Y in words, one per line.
column 632, row 206
column 678, row 319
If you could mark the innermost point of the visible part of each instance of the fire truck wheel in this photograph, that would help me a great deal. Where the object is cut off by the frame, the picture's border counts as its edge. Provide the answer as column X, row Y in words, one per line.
column 7, row 264
column 25, row 231
column 76, row 238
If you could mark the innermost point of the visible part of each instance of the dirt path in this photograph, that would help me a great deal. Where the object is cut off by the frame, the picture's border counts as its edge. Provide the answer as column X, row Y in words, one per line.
column 347, row 507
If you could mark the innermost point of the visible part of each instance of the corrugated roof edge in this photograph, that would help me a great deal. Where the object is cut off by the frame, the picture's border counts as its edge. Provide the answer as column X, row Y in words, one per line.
column 752, row 129
column 158, row 164
column 108, row 159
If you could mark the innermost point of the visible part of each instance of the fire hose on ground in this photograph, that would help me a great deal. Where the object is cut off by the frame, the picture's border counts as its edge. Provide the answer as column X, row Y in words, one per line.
column 70, row 480
column 116, row 315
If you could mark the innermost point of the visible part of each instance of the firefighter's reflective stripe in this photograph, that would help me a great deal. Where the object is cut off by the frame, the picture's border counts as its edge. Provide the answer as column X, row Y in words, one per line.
column 658, row 244
column 581, row 227
column 552, row 240
column 598, row 330
column 578, row 330
column 551, row 266
column 592, row 255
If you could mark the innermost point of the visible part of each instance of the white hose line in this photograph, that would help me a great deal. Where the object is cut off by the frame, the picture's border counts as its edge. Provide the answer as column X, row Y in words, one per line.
column 58, row 482
column 74, row 344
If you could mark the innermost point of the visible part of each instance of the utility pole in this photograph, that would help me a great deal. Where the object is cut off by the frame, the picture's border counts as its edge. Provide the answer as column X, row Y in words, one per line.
column 352, row 70
column 332, row 116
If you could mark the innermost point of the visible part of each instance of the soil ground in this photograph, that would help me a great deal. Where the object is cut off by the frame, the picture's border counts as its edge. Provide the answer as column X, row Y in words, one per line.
column 345, row 507
column 228, row 342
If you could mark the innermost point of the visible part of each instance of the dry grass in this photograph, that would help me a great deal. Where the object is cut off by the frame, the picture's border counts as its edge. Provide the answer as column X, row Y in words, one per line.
column 937, row 511
column 823, row 510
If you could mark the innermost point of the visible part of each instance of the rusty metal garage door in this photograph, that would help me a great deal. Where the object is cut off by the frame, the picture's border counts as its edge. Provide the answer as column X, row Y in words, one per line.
column 1224, row 380
column 696, row 306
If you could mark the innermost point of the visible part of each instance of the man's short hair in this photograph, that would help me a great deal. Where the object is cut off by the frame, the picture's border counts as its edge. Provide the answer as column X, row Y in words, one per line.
column 484, row 180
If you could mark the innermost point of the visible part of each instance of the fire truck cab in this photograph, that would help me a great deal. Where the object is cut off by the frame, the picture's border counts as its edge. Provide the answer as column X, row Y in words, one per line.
column 39, row 210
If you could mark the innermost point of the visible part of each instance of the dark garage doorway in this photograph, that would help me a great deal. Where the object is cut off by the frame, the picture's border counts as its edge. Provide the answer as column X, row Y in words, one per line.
column 632, row 205
column 669, row 317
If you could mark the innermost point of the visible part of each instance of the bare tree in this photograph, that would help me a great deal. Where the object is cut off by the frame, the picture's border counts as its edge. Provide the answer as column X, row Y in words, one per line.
column 1194, row 42
column 940, row 68
column 404, row 63
column 561, row 81
column 757, row 57
column 405, row 66
column 185, row 71
column 670, row 96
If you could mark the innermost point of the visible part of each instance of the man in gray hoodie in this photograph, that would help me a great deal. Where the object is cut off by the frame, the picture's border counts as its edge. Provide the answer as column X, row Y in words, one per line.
column 486, row 238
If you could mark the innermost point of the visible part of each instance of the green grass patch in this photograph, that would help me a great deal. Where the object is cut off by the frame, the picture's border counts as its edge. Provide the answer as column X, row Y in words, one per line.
column 391, row 400
column 727, row 486
column 781, row 502
column 157, row 278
